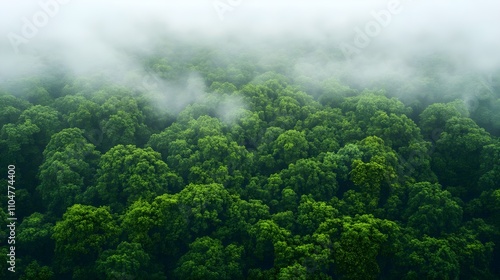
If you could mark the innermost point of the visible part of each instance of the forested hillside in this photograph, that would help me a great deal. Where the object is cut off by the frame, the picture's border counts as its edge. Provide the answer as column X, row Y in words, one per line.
column 218, row 166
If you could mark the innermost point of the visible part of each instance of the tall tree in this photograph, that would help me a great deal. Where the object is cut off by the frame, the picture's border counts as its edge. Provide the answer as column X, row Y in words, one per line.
column 82, row 234
column 68, row 168
column 431, row 210
column 207, row 258
column 127, row 173
column 456, row 161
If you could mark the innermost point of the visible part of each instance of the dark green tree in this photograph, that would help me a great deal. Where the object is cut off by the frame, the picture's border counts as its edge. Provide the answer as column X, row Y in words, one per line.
column 127, row 173
column 456, row 161
column 431, row 210
column 126, row 262
column 207, row 258
column 68, row 168
column 82, row 234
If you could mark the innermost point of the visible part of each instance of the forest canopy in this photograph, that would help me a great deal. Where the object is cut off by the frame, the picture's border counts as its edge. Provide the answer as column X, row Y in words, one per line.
column 258, row 179
column 273, row 161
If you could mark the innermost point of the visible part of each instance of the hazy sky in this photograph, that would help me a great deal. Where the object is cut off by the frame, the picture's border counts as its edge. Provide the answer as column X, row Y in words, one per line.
column 377, row 37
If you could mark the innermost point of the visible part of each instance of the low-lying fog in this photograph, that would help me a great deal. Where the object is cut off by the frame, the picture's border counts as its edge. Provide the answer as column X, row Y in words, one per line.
column 403, row 46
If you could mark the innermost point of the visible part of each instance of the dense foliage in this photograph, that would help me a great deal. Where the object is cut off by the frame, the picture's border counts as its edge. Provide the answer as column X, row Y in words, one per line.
column 261, row 176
